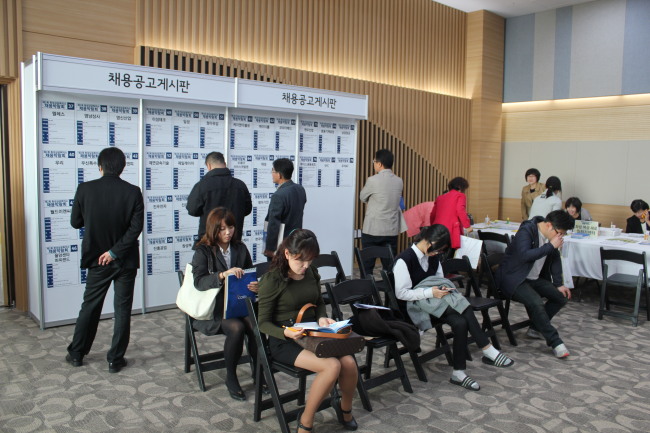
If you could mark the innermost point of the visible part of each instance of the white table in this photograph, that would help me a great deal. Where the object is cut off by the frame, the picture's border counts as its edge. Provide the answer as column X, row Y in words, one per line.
column 581, row 256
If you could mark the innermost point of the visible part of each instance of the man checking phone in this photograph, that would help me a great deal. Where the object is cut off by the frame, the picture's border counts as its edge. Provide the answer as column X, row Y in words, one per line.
column 532, row 270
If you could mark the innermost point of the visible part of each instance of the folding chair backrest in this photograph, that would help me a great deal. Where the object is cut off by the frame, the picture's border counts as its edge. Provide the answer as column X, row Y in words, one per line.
column 261, row 340
column 625, row 256
column 397, row 305
column 350, row 291
column 181, row 277
column 490, row 238
column 454, row 266
column 330, row 260
column 375, row 253
column 489, row 263
column 261, row 268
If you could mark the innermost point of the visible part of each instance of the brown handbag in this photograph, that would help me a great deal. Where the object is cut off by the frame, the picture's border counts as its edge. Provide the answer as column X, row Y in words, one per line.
column 328, row 344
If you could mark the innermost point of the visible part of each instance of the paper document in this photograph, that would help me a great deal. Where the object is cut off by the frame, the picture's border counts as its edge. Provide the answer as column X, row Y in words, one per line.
column 333, row 328
column 471, row 248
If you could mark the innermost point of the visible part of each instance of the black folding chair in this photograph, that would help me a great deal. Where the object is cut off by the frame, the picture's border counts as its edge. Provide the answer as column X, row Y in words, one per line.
column 442, row 346
column 489, row 264
column 476, row 299
column 639, row 282
column 494, row 242
column 268, row 367
column 330, row 260
column 261, row 268
column 202, row 362
column 364, row 290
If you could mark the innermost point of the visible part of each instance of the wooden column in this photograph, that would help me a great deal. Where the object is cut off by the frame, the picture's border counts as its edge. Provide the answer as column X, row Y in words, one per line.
column 484, row 84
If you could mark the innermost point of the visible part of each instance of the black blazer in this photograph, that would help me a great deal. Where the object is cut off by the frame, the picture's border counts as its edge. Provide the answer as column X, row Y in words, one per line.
column 286, row 207
column 219, row 188
column 634, row 225
column 112, row 212
column 522, row 253
column 208, row 278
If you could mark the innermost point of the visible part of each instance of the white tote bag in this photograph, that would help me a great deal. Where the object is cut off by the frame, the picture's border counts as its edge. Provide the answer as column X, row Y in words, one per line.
column 198, row 304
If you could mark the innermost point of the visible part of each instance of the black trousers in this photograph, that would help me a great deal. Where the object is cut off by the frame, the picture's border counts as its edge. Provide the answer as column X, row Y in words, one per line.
column 460, row 325
column 98, row 281
column 378, row 241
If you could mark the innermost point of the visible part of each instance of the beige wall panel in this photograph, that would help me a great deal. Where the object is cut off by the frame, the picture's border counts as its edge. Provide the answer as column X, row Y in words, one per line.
column 109, row 22
column 636, row 182
column 33, row 42
column 509, row 208
column 615, row 123
column 601, row 172
column 516, row 159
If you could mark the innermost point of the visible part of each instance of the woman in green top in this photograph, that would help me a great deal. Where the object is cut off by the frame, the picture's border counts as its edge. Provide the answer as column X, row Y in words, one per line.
column 291, row 283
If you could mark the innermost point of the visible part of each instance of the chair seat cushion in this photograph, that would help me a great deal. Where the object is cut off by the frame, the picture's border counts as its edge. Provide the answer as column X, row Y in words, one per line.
column 482, row 303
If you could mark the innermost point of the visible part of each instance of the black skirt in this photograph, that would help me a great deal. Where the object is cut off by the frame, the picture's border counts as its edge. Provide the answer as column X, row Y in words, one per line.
column 284, row 351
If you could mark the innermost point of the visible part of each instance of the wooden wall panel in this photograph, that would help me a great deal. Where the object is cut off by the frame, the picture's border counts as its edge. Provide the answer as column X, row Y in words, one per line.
column 418, row 44
column 485, row 83
column 10, row 39
column 427, row 132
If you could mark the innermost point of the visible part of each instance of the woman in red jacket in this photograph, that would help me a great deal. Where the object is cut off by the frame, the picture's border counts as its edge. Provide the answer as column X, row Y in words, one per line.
column 450, row 210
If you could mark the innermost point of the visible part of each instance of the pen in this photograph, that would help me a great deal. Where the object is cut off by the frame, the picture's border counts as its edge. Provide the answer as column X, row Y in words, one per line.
column 292, row 329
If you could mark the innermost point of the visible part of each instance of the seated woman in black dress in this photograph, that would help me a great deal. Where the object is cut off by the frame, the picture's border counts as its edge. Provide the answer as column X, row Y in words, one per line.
column 412, row 269
column 218, row 255
column 638, row 223
column 291, row 283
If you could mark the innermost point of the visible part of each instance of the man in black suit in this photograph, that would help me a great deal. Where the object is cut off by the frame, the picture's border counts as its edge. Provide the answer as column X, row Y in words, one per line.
column 219, row 188
column 112, row 212
column 286, row 206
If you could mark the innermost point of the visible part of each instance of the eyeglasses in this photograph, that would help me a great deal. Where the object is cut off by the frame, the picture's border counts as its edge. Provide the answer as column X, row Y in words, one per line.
column 559, row 232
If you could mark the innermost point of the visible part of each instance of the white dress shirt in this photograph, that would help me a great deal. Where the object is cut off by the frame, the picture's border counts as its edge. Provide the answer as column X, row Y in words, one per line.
column 403, row 283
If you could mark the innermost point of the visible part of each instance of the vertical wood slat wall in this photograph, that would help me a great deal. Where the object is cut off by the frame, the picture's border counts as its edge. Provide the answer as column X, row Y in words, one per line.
column 424, row 112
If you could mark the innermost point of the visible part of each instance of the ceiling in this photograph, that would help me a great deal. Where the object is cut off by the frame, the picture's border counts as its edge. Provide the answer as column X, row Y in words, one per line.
column 510, row 8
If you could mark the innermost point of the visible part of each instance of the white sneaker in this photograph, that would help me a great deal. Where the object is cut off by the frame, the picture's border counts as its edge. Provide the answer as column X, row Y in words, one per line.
column 561, row 351
column 534, row 334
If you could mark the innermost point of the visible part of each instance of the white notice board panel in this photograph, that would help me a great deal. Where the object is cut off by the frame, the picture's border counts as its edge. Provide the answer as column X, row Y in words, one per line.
column 256, row 139
column 177, row 137
column 73, row 129
column 69, row 74
column 166, row 122
column 327, row 171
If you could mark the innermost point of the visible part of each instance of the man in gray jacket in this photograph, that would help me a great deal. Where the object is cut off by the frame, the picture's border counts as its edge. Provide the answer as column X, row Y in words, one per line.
column 382, row 222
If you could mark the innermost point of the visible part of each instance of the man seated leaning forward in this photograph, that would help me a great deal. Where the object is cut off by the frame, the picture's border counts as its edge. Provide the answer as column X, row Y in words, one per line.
column 532, row 270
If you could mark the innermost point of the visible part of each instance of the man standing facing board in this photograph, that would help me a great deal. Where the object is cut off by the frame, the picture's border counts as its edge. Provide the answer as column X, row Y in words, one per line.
column 382, row 222
column 219, row 188
column 286, row 206
column 112, row 212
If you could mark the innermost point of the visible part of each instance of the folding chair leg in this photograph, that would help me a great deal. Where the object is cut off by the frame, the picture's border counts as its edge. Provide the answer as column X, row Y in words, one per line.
column 505, row 324
column 197, row 364
column 363, row 393
column 603, row 296
column 257, row 407
column 443, row 342
column 419, row 370
column 637, row 301
column 400, row 367
column 368, row 366
column 188, row 350
column 487, row 324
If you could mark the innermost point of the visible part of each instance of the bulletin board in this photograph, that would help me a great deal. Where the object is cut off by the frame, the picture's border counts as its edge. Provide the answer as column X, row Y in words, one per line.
column 166, row 122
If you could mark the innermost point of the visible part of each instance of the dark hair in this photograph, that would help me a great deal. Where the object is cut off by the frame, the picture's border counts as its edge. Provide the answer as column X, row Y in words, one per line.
column 111, row 160
column 560, row 220
column 553, row 185
column 284, row 167
column 638, row 205
column 458, row 183
column 301, row 243
column 213, row 222
column 437, row 234
column 575, row 202
column 534, row 172
column 215, row 158
column 384, row 157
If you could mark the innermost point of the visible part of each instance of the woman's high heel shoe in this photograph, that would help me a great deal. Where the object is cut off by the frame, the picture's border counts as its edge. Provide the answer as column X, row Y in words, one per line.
column 348, row 425
column 300, row 425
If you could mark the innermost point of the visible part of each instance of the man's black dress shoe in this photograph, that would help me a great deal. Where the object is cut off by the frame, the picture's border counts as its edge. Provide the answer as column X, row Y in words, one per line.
column 116, row 366
column 74, row 362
